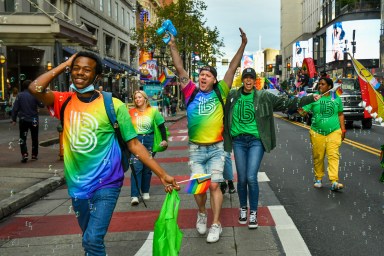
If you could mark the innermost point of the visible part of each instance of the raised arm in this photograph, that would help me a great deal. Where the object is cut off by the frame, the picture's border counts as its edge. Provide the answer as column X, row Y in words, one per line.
column 178, row 63
column 228, row 78
column 39, row 85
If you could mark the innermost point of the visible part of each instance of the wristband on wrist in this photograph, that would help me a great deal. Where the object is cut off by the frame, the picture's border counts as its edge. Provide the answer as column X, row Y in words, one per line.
column 343, row 130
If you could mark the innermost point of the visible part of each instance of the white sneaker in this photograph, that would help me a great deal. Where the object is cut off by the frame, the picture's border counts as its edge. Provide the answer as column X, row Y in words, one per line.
column 146, row 196
column 318, row 184
column 134, row 201
column 214, row 233
column 201, row 223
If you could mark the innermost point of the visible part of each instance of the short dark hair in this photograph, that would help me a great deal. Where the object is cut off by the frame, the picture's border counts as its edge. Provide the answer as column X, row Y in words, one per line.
column 25, row 84
column 91, row 55
column 329, row 81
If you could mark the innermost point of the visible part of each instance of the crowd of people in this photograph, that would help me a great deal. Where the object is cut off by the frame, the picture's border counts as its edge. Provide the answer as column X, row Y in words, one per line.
column 239, row 121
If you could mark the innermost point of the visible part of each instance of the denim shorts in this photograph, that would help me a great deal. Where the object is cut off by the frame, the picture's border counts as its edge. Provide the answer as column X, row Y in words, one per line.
column 207, row 159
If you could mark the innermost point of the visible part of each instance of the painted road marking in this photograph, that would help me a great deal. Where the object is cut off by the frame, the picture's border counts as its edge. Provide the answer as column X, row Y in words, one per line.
column 291, row 240
column 350, row 142
column 38, row 226
column 146, row 249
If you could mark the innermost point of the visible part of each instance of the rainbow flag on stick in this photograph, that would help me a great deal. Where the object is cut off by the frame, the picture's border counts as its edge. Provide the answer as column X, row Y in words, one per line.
column 163, row 79
column 197, row 184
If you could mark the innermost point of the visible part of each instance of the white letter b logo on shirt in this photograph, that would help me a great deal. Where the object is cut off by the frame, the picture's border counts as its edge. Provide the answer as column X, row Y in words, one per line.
column 82, row 136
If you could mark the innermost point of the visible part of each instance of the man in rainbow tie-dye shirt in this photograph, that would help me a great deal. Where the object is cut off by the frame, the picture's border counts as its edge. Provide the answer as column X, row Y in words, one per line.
column 92, row 156
column 205, row 127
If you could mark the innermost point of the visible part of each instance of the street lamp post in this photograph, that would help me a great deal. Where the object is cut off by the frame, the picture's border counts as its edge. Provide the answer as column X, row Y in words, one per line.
column 2, row 62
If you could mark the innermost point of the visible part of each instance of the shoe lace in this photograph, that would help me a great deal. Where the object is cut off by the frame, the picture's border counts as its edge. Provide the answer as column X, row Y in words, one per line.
column 252, row 217
column 243, row 213
column 202, row 219
column 215, row 228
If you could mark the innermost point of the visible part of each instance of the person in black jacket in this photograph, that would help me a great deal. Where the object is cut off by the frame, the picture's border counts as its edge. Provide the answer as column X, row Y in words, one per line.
column 25, row 107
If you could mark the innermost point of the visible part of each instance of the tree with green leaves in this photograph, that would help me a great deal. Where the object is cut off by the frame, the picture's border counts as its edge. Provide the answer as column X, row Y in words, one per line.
column 192, row 33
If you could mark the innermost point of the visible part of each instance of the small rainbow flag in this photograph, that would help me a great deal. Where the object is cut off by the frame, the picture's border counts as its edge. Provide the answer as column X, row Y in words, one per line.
column 163, row 79
column 336, row 91
column 198, row 184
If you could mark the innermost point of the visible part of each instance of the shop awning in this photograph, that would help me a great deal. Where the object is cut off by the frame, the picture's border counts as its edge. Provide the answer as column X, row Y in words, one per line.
column 107, row 63
column 42, row 30
column 130, row 69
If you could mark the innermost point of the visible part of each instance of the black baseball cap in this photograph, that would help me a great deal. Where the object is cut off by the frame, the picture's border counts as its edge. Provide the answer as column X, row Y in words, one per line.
column 210, row 69
column 249, row 72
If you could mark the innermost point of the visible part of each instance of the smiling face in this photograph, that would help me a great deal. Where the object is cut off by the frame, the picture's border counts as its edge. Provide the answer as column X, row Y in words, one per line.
column 140, row 100
column 83, row 72
column 249, row 83
column 206, row 80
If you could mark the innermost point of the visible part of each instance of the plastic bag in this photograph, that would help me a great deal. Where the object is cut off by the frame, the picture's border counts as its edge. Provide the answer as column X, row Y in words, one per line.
column 167, row 236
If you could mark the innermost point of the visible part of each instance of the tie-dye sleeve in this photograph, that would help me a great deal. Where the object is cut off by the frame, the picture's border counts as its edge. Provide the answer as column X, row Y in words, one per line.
column 188, row 90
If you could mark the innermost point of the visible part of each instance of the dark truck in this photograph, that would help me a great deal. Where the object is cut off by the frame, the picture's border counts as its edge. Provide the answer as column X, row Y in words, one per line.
column 351, row 98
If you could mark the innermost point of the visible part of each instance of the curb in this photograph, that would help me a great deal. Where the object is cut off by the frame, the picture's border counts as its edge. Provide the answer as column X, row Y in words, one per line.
column 29, row 195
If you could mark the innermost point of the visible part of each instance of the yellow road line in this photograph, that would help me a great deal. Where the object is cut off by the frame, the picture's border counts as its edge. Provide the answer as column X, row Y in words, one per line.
column 353, row 143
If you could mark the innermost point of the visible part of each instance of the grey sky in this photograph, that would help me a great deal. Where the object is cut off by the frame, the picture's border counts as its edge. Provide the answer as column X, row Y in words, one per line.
column 255, row 17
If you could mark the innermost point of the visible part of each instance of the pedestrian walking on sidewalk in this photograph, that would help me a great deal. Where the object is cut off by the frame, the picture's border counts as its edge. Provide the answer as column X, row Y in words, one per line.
column 144, row 117
column 205, row 112
column 228, row 176
column 25, row 108
column 92, row 155
column 327, row 133
column 250, row 131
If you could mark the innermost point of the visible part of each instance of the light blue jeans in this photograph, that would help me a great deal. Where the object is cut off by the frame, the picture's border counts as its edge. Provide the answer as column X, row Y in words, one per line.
column 143, row 173
column 249, row 152
column 208, row 159
column 94, row 216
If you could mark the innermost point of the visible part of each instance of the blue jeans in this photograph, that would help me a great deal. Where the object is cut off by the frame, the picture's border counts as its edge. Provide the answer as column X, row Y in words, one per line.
column 143, row 173
column 248, row 152
column 228, row 171
column 94, row 216
column 207, row 159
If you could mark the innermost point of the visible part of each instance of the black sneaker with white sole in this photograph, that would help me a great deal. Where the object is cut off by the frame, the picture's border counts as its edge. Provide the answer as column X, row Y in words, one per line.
column 243, row 215
column 252, row 220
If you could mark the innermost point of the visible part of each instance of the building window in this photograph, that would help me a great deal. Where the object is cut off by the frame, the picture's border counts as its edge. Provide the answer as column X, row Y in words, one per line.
column 9, row 6
column 101, row 5
column 116, row 14
column 109, row 8
column 32, row 6
column 127, row 22
column 123, row 51
column 109, row 49
column 122, row 17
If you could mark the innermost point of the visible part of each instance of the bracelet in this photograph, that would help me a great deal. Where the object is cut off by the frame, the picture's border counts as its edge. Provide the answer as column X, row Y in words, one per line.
column 344, row 131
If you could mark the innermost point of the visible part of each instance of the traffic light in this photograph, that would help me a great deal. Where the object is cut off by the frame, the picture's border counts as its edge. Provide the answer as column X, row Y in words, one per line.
column 288, row 66
column 269, row 67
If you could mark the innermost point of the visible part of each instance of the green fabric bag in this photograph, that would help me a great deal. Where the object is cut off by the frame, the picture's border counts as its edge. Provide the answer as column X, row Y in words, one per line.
column 167, row 235
column 157, row 139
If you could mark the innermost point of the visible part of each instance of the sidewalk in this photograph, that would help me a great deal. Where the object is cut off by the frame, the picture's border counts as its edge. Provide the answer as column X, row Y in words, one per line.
column 22, row 184
column 47, row 225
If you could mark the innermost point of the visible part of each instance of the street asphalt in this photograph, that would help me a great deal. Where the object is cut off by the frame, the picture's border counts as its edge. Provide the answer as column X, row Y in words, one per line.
column 36, row 216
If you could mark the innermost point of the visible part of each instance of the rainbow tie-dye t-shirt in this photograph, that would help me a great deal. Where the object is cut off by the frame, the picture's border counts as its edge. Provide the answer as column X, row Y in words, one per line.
column 205, row 114
column 143, row 121
column 92, row 156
